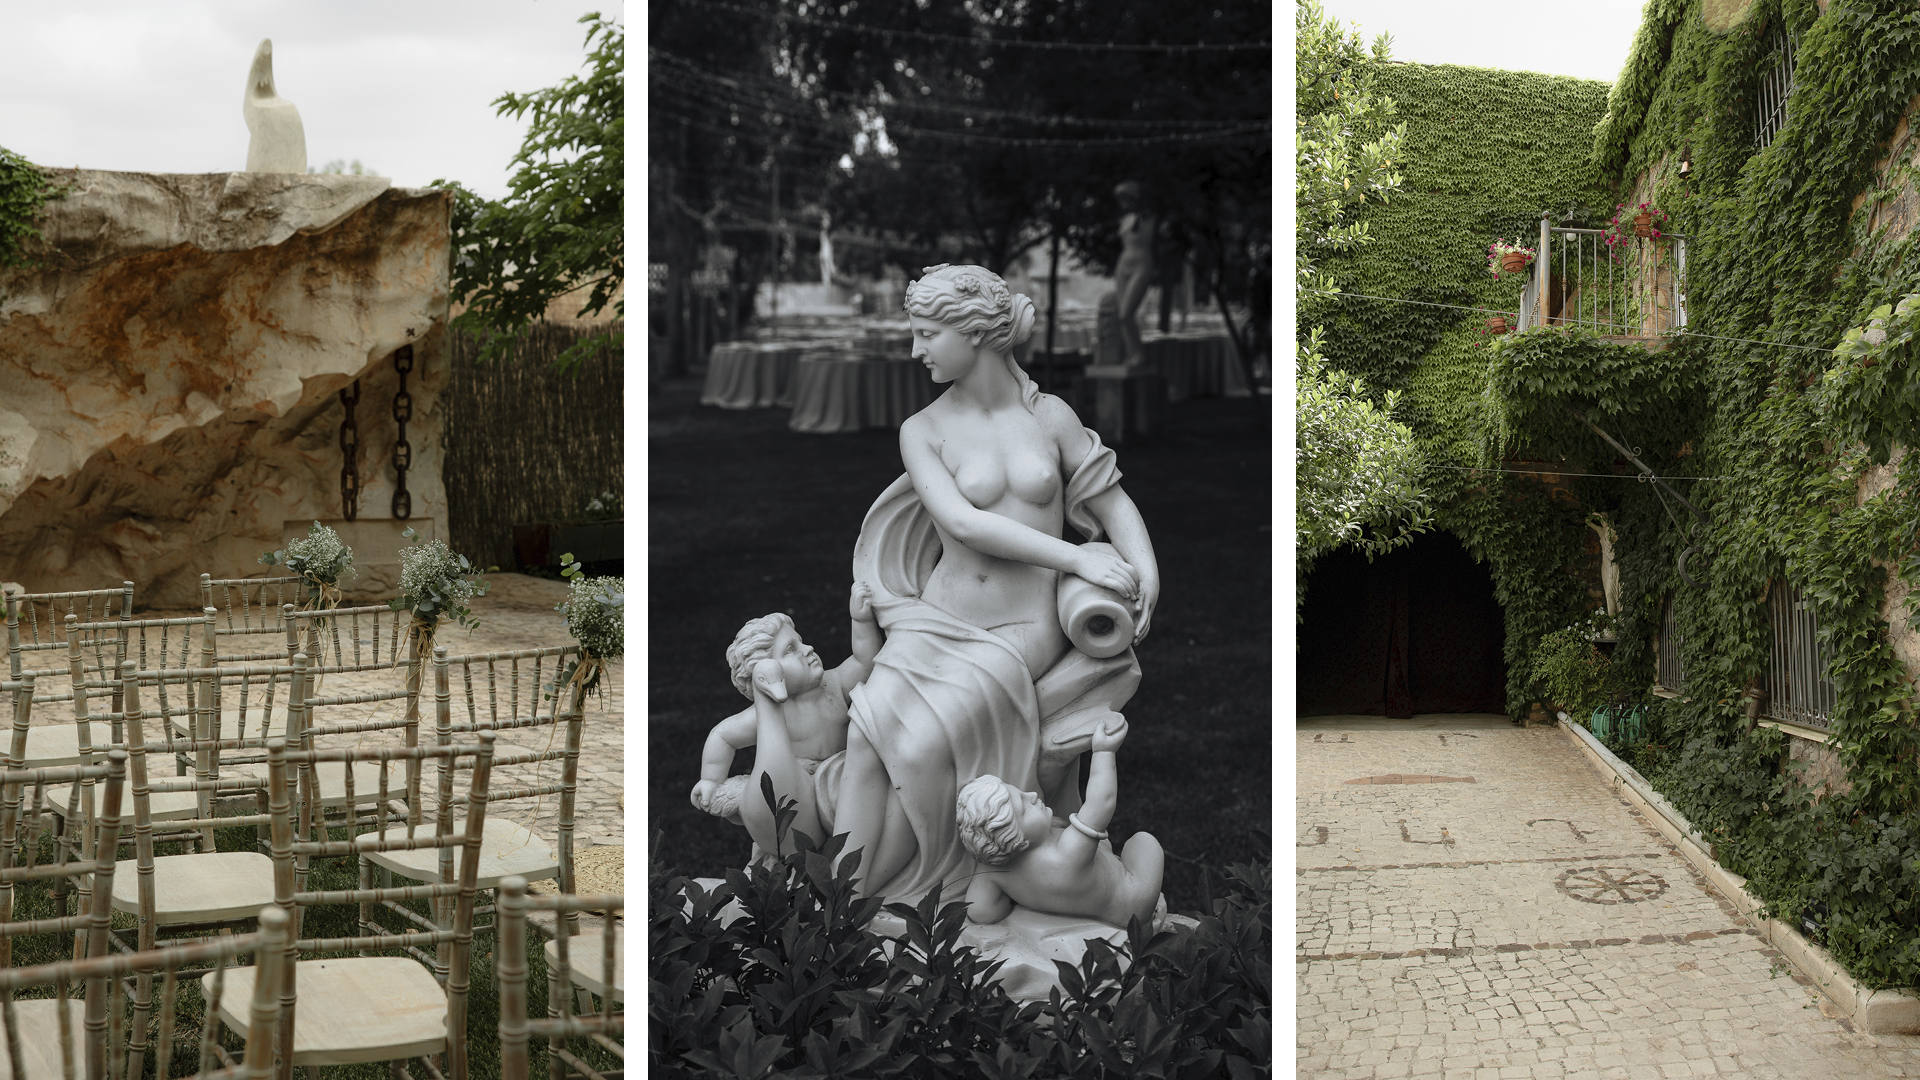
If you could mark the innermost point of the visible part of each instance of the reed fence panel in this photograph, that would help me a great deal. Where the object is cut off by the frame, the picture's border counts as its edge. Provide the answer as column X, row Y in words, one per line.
column 525, row 443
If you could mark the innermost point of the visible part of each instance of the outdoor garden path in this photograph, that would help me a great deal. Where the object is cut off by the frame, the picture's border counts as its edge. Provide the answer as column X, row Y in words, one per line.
column 1481, row 905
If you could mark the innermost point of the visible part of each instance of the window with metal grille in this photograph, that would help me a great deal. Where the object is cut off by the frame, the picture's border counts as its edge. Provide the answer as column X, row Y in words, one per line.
column 1799, row 689
column 1776, row 87
column 1667, row 671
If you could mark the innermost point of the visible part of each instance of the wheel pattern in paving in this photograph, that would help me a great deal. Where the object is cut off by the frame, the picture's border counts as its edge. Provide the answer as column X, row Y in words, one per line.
column 1528, row 923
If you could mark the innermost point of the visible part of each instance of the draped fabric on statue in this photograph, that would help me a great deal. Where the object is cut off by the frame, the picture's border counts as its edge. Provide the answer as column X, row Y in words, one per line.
column 939, row 678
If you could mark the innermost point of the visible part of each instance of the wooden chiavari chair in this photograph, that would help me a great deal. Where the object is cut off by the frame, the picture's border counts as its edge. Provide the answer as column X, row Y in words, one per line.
column 39, row 1033
column 36, row 622
column 589, row 961
column 513, row 689
column 364, row 1007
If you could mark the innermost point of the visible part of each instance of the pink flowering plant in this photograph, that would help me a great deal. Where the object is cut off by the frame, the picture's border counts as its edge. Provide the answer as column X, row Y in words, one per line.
column 1620, row 230
column 1500, row 249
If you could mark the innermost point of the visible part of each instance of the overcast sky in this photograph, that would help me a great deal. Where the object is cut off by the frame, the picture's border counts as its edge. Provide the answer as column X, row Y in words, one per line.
column 1587, row 40
column 405, row 86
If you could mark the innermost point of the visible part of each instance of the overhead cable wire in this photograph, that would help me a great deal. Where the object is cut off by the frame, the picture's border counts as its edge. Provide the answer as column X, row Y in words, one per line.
column 1548, row 470
column 774, row 88
column 1002, row 43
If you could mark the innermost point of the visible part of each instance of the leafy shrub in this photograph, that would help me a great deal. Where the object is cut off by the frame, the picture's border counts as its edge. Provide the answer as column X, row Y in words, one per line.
column 797, row 986
column 1572, row 671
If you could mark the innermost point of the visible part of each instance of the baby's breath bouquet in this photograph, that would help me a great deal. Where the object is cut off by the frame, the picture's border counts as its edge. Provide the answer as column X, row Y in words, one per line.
column 435, row 584
column 595, row 609
column 320, row 557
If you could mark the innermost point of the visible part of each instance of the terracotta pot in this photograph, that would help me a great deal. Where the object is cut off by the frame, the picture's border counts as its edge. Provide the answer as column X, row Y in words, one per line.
column 1513, row 262
column 1643, row 225
column 1497, row 324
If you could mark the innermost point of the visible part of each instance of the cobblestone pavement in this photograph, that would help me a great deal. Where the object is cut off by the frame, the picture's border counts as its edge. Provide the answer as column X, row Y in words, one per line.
column 518, row 613
column 1483, row 906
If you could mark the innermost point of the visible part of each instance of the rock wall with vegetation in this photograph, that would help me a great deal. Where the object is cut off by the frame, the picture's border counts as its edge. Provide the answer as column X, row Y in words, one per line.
column 1793, row 399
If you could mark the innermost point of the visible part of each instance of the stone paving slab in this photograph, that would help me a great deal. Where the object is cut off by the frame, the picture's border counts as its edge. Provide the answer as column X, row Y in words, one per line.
column 1527, row 924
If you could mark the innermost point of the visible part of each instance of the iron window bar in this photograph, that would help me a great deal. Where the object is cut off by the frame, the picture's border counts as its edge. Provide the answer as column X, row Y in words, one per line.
column 1776, row 87
column 1668, row 672
column 1799, row 687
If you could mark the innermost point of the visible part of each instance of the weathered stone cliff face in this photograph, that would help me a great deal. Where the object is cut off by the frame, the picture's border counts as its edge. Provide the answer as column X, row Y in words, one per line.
column 170, row 376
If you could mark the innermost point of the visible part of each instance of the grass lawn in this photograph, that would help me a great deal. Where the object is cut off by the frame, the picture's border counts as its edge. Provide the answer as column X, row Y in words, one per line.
column 746, row 518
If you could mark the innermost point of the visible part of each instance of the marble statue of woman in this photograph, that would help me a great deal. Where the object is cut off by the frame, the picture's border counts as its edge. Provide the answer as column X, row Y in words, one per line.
column 990, row 664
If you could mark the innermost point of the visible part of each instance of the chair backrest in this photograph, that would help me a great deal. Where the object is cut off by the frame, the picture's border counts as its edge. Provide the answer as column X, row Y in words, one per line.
column 348, row 638
column 453, row 900
column 106, row 1029
column 36, row 622
column 510, row 963
column 19, row 816
column 516, row 694
column 252, row 607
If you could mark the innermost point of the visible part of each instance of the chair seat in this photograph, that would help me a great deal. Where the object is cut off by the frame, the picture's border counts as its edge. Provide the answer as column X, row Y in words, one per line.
column 166, row 805
column 40, row 1038
column 59, row 744
column 351, row 1009
column 583, row 956
column 505, row 849
column 200, row 888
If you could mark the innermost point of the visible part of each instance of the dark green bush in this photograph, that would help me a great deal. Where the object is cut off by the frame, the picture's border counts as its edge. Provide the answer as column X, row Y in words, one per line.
column 798, row 987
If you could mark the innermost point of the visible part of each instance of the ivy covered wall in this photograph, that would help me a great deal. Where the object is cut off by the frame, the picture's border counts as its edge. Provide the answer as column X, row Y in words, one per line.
column 1486, row 152
column 1793, row 402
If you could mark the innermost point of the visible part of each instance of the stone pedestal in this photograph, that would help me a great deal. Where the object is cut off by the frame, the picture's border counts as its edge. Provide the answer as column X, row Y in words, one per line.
column 1128, row 403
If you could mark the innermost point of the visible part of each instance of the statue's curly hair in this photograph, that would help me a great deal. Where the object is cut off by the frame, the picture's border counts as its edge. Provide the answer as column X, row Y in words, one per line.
column 975, row 300
column 985, row 815
column 752, row 644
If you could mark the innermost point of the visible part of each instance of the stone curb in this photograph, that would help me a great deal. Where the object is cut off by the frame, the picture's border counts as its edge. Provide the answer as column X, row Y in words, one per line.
column 1876, row 1012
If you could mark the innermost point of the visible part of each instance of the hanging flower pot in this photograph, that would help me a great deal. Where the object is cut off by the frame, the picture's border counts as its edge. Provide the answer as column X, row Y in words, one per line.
column 1643, row 225
column 1645, row 221
column 1505, row 258
column 1497, row 324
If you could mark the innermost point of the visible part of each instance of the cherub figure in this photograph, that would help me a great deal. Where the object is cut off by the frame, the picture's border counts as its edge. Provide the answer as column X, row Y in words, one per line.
column 797, row 719
column 1031, row 858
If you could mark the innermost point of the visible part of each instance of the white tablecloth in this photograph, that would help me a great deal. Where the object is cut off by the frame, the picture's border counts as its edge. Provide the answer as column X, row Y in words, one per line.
column 836, row 391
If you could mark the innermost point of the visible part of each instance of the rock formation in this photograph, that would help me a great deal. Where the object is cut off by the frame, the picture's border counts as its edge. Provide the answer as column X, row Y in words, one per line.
column 169, row 376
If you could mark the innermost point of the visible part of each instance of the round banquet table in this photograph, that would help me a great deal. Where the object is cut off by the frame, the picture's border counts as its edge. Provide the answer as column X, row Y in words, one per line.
column 836, row 391
column 1196, row 364
column 751, row 374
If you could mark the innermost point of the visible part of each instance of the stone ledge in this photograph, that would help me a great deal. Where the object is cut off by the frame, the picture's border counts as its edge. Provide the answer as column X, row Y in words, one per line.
column 1876, row 1012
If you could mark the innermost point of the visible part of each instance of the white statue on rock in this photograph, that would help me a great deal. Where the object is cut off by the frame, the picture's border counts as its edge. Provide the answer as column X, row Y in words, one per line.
column 277, row 142
column 1007, row 651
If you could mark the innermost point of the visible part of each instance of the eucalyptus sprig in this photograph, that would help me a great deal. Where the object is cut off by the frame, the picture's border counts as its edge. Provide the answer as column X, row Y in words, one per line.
column 436, row 583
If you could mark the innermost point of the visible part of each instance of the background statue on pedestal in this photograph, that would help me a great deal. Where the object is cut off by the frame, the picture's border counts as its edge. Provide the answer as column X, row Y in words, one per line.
column 1134, row 272
column 277, row 141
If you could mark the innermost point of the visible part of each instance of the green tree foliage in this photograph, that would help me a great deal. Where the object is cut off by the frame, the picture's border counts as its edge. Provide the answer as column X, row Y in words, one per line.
column 1345, row 139
column 561, row 227
column 24, row 189
column 1356, row 468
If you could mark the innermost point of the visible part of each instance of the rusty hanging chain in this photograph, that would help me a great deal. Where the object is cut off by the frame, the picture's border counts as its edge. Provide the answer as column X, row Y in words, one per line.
column 402, row 449
column 350, row 455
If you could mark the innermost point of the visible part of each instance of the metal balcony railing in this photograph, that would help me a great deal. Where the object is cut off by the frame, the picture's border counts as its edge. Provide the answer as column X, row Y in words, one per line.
column 1637, row 289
